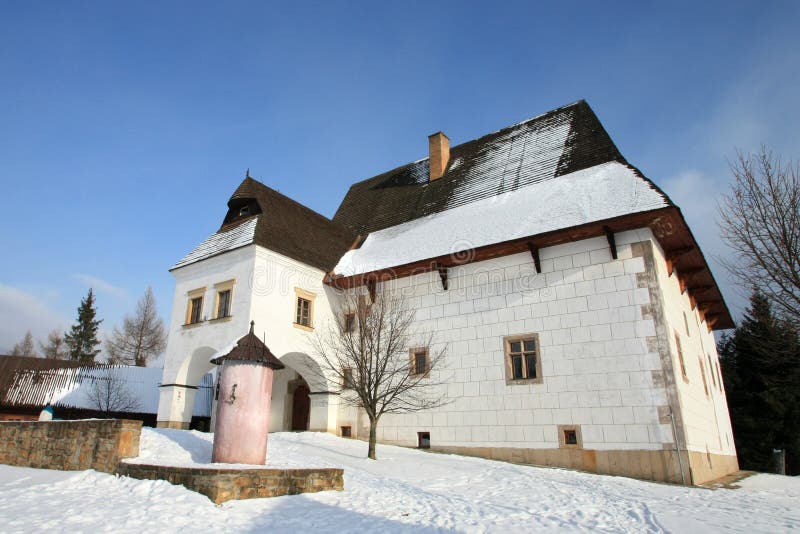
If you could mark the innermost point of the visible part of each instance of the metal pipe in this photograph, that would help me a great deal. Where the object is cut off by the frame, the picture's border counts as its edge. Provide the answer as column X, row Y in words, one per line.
column 677, row 448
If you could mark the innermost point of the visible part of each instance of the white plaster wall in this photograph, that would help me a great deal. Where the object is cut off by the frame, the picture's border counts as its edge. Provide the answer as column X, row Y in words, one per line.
column 190, row 347
column 265, row 293
column 273, row 309
column 586, row 309
column 706, row 419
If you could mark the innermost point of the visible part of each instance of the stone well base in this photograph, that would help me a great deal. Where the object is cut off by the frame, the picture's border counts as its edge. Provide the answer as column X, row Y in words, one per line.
column 222, row 485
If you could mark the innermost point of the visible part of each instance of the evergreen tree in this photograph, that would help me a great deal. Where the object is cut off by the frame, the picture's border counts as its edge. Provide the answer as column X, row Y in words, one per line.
column 761, row 368
column 25, row 347
column 82, row 339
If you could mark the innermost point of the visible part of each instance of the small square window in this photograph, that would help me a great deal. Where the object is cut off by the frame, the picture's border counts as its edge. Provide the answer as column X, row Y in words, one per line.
column 423, row 440
column 680, row 358
column 347, row 379
column 224, row 303
column 195, row 310
column 244, row 211
column 304, row 309
column 303, row 314
column 349, row 322
column 419, row 362
column 523, row 364
column 711, row 370
column 703, row 374
column 569, row 437
column 347, row 432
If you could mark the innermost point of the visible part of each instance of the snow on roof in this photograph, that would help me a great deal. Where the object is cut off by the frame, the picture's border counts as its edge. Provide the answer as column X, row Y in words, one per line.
column 598, row 193
column 556, row 143
column 73, row 387
column 223, row 241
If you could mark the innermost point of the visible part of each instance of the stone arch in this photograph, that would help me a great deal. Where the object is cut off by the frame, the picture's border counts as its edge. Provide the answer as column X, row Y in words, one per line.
column 195, row 366
column 304, row 376
column 308, row 368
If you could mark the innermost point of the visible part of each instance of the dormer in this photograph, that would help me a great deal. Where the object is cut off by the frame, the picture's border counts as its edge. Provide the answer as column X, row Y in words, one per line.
column 243, row 203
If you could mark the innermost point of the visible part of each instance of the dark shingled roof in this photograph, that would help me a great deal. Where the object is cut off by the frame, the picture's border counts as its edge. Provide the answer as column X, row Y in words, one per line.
column 251, row 349
column 559, row 142
column 278, row 223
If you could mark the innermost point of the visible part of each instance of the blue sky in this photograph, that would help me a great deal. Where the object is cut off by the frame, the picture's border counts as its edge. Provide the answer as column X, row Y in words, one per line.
column 124, row 127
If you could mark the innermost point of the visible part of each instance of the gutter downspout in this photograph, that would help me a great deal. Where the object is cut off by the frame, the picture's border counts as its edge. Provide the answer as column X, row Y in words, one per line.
column 677, row 448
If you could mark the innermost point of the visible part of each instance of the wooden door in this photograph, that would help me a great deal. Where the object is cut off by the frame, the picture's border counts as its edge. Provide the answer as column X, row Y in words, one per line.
column 301, row 403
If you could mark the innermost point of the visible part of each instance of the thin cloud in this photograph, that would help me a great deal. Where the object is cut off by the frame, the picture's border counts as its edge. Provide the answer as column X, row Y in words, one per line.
column 20, row 312
column 102, row 286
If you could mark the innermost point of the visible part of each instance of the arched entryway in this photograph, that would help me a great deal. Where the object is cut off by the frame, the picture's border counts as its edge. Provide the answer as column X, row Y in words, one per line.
column 301, row 399
column 301, row 406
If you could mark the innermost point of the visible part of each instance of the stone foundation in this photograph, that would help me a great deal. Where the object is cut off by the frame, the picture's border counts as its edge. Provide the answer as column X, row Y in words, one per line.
column 707, row 467
column 222, row 485
column 659, row 466
column 176, row 425
column 69, row 445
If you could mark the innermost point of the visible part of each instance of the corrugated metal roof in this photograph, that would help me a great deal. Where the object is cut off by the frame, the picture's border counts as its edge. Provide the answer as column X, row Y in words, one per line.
column 72, row 387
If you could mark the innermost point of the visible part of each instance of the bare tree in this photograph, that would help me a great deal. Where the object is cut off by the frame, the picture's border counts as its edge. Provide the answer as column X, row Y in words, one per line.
column 142, row 337
column 760, row 221
column 25, row 347
column 372, row 350
column 56, row 348
column 108, row 392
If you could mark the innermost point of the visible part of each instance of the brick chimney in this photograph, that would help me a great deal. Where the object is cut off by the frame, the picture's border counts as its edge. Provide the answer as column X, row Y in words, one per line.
column 439, row 147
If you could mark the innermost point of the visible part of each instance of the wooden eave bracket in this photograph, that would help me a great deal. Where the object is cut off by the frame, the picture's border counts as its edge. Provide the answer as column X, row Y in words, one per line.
column 442, row 274
column 700, row 290
column 537, row 263
column 612, row 243
column 677, row 253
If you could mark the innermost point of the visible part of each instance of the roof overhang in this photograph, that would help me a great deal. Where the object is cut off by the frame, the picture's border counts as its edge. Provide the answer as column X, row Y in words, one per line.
column 684, row 258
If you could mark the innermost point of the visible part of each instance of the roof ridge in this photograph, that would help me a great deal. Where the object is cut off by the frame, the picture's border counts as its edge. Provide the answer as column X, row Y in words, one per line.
column 501, row 130
column 293, row 201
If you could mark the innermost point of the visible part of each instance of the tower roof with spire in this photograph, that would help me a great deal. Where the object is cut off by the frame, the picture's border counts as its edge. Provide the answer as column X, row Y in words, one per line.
column 259, row 215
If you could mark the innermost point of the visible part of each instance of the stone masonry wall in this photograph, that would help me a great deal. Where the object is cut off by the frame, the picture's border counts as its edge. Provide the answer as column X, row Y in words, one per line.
column 598, row 371
column 69, row 445
column 222, row 485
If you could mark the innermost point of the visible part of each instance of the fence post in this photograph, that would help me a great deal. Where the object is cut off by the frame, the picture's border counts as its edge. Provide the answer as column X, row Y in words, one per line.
column 779, row 457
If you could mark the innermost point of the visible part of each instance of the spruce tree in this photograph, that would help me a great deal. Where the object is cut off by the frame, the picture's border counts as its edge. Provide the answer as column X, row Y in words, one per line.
column 761, row 366
column 82, row 339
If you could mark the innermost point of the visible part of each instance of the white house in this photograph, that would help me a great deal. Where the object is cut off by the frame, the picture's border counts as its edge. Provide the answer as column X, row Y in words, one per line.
column 575, row 304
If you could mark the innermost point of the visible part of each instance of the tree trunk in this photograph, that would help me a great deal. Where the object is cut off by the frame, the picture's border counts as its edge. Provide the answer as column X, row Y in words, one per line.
column 373, row 437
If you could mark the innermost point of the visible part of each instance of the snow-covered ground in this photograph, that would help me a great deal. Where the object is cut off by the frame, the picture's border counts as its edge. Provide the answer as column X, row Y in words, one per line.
column 404, row 491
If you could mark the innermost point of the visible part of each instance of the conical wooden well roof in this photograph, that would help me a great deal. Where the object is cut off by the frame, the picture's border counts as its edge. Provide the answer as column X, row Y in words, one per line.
column 251, row 349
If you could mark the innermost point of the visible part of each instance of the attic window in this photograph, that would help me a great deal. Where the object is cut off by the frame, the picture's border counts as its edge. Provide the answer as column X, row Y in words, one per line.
column 244, row 211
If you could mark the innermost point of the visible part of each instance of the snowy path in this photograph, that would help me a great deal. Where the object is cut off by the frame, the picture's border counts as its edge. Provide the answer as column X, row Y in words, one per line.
column 404, row 491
